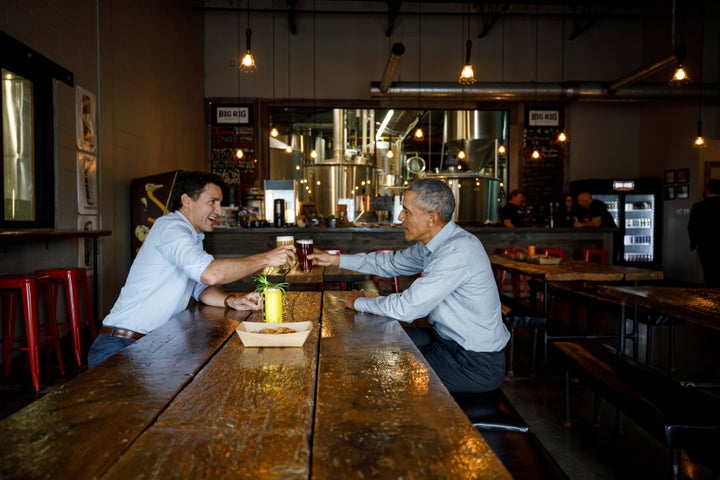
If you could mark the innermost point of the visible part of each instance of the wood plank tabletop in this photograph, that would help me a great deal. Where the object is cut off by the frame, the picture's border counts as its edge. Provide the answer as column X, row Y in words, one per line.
column 382, row 412
column 79, row 430
column 696, row 305
column 575, row 270
column 247, row 410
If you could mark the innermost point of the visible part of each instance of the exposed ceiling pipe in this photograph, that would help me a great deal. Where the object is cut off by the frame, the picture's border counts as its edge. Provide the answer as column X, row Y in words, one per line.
column 643, row 72
column 391, row 67
column 568, row 91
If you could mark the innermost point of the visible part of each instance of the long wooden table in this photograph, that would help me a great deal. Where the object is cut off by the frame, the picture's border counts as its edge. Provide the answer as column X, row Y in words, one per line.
column 357, row 400
column 576, row 271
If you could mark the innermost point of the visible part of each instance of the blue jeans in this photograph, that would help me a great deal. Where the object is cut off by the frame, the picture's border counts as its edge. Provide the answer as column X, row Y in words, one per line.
column 105, row 346
column 460, row 370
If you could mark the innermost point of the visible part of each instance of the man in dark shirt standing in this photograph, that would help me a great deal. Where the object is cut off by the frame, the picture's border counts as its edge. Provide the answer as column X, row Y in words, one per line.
column 511, row 213
column 704, row 230
column 592, row 213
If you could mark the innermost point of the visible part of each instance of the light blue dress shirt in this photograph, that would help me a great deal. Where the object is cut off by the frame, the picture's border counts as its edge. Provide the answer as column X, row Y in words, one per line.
column 163, row 277
column 457, row 289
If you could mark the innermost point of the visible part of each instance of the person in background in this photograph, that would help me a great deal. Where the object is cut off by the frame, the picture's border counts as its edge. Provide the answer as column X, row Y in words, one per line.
column 565, row 216
column 704, row 231
column 465, row 345
column 511, row 213
column 592, row 213
column 172, row 266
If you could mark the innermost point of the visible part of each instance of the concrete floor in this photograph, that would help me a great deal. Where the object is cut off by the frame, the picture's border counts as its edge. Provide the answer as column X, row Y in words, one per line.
column 588, row 452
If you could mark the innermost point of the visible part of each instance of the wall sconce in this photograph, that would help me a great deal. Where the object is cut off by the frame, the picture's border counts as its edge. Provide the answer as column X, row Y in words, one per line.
column 247, row 64
column 467, row 75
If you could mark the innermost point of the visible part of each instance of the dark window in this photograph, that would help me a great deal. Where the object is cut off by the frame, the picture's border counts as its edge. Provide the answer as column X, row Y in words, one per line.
column 28, row 188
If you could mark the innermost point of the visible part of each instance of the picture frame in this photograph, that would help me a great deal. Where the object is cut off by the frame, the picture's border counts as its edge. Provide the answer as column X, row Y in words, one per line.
column 682, row 175
column 669, row 177
column 682, row 191
column 669, row 192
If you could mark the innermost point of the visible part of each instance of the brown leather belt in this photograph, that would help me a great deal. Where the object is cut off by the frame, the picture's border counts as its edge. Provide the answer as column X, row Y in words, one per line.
column 121, row 332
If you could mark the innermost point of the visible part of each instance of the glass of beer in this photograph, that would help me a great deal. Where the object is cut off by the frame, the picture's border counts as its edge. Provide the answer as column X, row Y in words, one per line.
column 304, row 247
column 279, row 242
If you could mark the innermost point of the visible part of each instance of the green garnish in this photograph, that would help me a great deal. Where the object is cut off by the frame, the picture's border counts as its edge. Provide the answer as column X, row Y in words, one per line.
column 262, row 283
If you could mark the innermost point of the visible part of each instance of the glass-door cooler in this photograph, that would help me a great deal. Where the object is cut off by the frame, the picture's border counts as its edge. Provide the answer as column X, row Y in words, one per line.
column 634, row 205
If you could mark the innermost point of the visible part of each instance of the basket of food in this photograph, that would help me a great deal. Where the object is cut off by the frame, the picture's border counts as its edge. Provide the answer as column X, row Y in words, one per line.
column 262, row 334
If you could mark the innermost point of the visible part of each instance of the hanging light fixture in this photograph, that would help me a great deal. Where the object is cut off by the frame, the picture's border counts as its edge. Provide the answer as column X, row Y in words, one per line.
column 502, row 150
column 699, row 140
column 680, row 75
column 239, row 154
column 419, row 135
column 313, row 152
column 467, row 75
column 562, row 136
column 247, row 63
column 535, row 153
column 274, row 133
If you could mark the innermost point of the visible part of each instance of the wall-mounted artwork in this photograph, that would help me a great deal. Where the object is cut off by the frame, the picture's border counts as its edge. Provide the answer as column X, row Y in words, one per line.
column 85, row 120
column 87, row 183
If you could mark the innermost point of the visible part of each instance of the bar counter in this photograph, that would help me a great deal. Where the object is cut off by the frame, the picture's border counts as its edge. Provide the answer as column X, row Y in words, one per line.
column 188, row 400
column 247, row 241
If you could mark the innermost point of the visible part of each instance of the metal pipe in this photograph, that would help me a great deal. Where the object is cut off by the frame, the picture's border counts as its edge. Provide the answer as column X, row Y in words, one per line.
column 643, row 72
column 391, row 67
column 529, row 92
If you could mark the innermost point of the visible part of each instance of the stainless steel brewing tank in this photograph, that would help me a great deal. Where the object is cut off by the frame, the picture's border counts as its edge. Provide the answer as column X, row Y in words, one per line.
column 476, row 196
column 330, row 181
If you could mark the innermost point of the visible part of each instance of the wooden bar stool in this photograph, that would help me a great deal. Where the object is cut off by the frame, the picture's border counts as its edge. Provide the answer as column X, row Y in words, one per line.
column 28, row 288
column 75, row 282
column 592, row 255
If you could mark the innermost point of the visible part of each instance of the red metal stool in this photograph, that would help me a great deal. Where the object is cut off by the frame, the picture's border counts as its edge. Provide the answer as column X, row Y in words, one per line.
column 593, row 255
column 27, row 287
column 551, row 252
column 519, row 281
column 75, row 282
column 379, row 281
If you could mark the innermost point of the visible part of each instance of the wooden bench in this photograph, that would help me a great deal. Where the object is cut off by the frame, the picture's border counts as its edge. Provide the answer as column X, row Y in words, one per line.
column 589, row 296
column 681, row 417
column 502, row 427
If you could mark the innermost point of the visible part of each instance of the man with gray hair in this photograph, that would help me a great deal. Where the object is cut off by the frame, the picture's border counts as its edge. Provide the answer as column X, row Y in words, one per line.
column 457, row 292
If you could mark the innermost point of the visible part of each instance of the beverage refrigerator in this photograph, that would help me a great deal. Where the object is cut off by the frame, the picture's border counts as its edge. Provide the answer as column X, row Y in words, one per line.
column 635, row 206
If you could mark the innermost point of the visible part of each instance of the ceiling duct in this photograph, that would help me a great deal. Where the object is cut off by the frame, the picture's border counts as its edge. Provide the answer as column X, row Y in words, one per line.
column 391, row 67
column 535, row 92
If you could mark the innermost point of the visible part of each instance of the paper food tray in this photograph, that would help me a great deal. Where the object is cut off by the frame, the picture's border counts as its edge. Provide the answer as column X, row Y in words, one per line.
column 251, row 337
column 544, row 260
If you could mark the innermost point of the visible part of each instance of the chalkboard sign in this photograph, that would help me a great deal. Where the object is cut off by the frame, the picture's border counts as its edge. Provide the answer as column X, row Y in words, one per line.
column 542, row 178
column 232, row 127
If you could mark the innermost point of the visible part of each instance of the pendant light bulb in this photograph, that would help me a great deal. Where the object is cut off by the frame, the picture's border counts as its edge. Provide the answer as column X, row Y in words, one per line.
column 419, row 135
column 239, row 153
column 562, row 138
column 247, row 63
column 461, row 155
column 680, row 76
column 467, row 75
column 274, row 132
column 699, row 140
column 535, row 154
column 502, row 150
column 288, row 149
column 313, row 153
column 389, row 154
